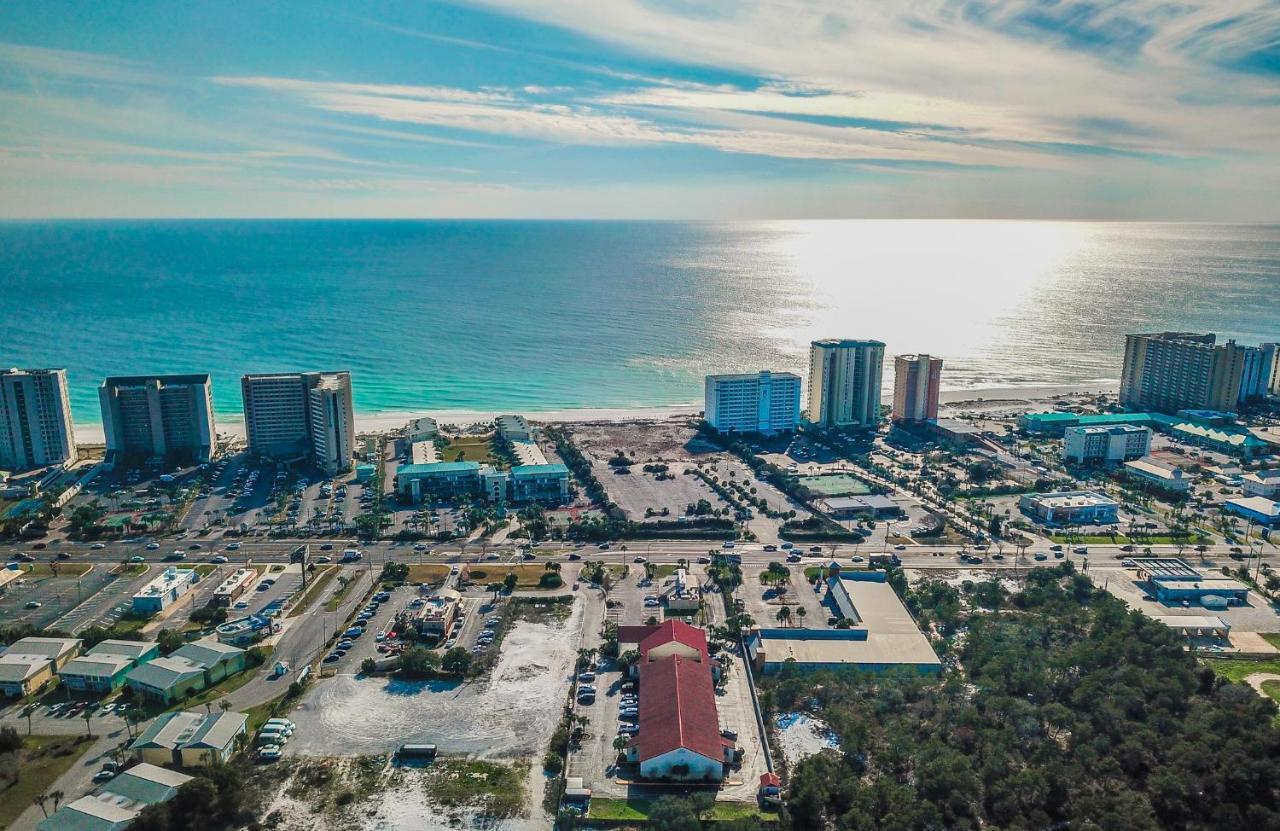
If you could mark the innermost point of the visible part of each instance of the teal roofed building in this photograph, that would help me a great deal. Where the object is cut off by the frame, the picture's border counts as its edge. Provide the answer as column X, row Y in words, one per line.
column 439, row 480
column 547, row 484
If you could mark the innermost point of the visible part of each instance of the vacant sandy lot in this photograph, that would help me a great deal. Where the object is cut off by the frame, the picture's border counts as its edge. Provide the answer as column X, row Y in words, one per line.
column 665, row 440
column 510, row 715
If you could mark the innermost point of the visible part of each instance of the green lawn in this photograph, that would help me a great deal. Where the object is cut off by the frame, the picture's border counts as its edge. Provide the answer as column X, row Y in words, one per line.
column 528, row 575
column 319, row 580
column 1121, row 539
column 336, row 599
column 836, row 484
column 43, row 760
column 472, row 449
column 1236, row 670
column 637, row 810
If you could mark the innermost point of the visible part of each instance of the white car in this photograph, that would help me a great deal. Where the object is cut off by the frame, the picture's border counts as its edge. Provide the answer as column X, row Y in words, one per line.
column 153, row 546
column 233, row 546
column 98, row 546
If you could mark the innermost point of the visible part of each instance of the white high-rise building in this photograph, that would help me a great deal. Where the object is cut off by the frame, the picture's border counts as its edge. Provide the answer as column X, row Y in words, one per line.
column 764, row 402
column 35, row 419
column 295, row 416
column 167, row 417
column 1270, row 368
column 844, row 382
column 333, row 422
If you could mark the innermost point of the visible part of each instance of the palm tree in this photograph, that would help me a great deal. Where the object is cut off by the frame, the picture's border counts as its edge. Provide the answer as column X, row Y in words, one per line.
column 801, row 612
column 86, row 714
column 224, row 705
column 784, row 615
column 56, row 796
column 41, row 799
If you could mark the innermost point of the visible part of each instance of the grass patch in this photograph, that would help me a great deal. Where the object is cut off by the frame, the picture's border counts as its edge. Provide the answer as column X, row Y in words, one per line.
column 322, row 578
column 539, row 610
column 130, row 570
column 637, row 810
column 1272, row 638
column 41, row 760
column 427, row 573
column 1237, row 670
column 528, row 575
column 64, row 569
column 345, row 582
column 205, row 569
column 496, row 790
column 129, row 623
column 836, row 484
column 471, row 449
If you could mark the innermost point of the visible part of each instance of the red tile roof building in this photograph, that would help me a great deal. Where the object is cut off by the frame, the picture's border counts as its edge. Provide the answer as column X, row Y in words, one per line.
column 679, row 727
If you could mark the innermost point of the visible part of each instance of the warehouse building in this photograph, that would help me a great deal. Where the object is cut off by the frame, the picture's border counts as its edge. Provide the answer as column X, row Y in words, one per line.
column 882, row 634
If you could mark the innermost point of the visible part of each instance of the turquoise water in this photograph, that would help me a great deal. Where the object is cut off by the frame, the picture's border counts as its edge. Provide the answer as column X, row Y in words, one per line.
column 454, row 315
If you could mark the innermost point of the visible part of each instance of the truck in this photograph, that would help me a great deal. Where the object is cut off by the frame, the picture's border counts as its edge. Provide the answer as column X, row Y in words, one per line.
column 351, row 555
column 885, row 560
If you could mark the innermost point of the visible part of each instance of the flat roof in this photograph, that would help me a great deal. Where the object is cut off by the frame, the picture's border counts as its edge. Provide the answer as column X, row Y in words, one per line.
column 1191, row 621
column 1072, row 499
column 1165, row 567
column 1154, row 468
column 536, row 470
column 1257, row 504
column 439, row 467
column 892, row 636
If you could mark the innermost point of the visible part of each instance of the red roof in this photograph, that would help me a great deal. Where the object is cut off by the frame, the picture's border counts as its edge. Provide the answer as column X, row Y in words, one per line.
column 678, row 709
column 678, row 631
column 770, row 780
column 635, row 634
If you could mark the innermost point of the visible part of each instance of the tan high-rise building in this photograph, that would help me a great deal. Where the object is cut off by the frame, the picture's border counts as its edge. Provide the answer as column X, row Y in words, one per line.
column 296, row 416
column 916, row 380
column 844, row 382
column 1171, row 371
column 35, row 419
column 166, row 417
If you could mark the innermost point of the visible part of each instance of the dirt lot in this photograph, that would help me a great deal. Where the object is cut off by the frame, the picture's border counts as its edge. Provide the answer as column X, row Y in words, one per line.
column 669, row 440
column 505, row 716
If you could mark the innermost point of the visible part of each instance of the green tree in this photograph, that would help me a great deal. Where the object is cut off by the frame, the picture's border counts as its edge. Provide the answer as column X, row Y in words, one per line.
column 456, row 661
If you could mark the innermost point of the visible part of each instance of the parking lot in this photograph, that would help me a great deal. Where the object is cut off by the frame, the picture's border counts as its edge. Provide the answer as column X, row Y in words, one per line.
column 637, row 491
column 55, row 596
column 1257, row 616
column 110, row 603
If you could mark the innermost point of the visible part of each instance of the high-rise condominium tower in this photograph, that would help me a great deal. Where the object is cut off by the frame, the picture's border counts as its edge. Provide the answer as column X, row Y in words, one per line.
column 301, row 415
column 844, row 382
column 761, row 402
column 1171, row 371
column 35, row 419
column 158, row 416
column 916, row 379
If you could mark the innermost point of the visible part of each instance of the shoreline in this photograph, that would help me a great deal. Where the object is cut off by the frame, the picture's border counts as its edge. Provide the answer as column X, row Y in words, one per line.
column 1002, row 397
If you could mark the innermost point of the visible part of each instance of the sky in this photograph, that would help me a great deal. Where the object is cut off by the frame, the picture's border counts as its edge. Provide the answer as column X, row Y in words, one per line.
column 1056, row 109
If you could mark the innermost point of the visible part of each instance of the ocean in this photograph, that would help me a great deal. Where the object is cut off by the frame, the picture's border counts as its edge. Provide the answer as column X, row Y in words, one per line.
column 536, row 316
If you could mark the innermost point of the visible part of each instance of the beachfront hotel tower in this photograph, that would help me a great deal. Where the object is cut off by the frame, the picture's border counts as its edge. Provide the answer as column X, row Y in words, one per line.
column 167, row 418
column 1172, row 371
column 916, row 380
column 301, row 416
column 35, row 419
column 844, row 382
column 762, row 402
